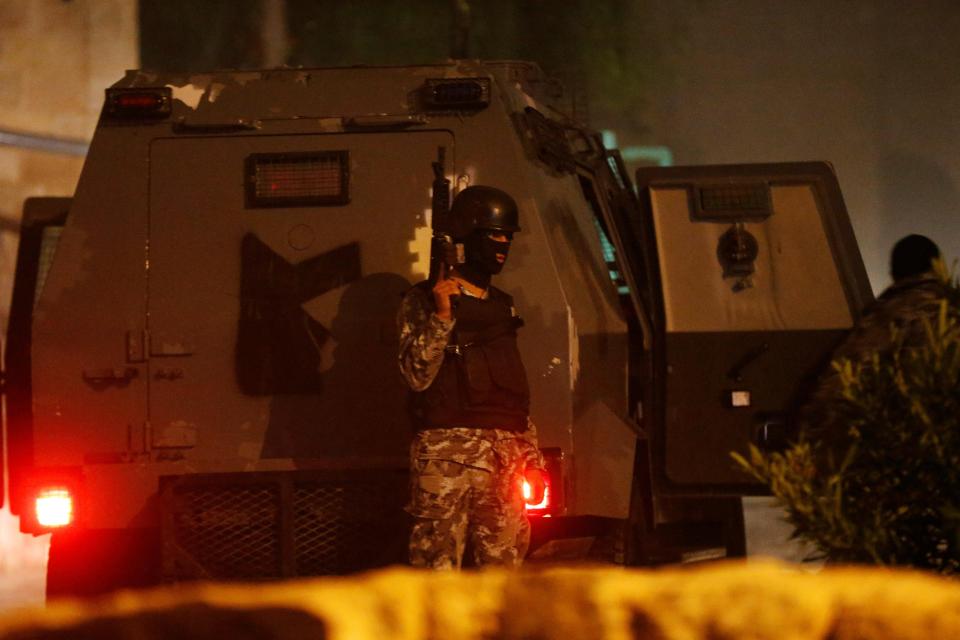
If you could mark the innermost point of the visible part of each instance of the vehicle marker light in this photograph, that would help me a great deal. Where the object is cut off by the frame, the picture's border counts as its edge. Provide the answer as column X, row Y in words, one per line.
column 456, row 93
column 139, row 103
column 54, row 507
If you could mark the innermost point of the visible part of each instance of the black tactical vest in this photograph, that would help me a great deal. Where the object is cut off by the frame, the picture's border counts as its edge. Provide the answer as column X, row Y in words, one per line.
column 482, row 382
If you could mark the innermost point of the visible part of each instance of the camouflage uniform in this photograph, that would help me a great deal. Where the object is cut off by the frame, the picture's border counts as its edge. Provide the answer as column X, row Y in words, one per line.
column 465, row 483
column 903, row 307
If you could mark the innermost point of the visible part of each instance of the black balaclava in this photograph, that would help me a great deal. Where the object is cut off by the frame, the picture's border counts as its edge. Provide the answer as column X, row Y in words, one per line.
column 481, row 257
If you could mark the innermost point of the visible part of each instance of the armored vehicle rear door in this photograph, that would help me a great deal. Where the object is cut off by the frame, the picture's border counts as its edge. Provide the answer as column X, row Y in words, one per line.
column 277, row 264
column 40, row 228
column 757, row 275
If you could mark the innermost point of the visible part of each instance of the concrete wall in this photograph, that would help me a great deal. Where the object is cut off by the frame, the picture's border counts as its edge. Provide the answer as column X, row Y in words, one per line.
column 56, row 58
column 869, row 85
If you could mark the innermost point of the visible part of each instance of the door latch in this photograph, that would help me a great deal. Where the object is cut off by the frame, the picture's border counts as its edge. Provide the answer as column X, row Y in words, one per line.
column 116, row 374
column 168, row 373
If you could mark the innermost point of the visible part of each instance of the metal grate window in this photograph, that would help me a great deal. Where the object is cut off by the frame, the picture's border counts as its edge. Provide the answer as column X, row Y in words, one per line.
column 48, row 247
column 340, row 528
column 733, row 202
column 234, row 530
column 298, row 179
column 615, row 170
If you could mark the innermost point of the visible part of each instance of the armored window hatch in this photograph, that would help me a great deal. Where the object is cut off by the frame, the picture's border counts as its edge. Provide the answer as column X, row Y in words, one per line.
column 319, row 178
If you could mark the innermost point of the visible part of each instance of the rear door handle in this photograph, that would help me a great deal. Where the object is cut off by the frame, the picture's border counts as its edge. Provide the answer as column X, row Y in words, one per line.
column 116, row 374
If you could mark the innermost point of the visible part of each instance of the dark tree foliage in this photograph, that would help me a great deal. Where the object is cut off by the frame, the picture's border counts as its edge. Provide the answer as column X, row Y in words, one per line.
column 601, row 50
column 891, row 494
column 181, row 35
column 328, row 33
column 605, row 51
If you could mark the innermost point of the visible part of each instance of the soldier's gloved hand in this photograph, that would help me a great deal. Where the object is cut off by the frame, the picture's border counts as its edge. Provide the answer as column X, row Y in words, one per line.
column 442, row 291
column 534, row 486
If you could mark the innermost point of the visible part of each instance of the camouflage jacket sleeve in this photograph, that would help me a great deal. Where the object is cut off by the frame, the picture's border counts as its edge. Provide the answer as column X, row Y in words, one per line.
column 423, row 337
column 903, row 308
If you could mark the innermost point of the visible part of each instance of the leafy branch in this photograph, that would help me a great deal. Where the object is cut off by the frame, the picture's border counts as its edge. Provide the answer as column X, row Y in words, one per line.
column 889, row 492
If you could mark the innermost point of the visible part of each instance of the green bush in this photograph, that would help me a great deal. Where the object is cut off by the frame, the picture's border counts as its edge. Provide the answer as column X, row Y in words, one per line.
column 889, row 493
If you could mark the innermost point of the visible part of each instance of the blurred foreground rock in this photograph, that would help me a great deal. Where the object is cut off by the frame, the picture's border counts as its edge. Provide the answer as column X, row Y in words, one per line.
column 730, row 600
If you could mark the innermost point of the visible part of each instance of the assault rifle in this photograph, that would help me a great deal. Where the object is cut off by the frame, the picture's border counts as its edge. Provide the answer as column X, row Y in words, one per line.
column 443, row 252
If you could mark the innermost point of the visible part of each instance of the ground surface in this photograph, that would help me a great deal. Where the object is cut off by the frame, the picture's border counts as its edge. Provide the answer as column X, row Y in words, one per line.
column 23, row 558
column 23, row 562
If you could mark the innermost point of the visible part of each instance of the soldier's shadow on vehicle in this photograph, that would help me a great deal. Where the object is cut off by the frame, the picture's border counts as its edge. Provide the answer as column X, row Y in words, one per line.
column 359, row 410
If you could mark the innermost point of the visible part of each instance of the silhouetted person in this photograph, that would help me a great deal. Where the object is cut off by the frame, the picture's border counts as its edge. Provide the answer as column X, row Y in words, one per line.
column 905, row 307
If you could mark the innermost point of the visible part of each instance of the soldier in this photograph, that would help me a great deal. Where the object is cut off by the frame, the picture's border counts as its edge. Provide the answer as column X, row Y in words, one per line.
column 914, row 296
column 475, row 443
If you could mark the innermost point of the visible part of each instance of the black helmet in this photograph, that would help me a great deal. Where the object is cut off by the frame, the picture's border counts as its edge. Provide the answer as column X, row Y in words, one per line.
column 483, row 208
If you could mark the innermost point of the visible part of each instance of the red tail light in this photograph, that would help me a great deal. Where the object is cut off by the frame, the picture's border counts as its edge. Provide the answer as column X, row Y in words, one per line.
column 542, row 506
column 54, row 507
column 552, row 503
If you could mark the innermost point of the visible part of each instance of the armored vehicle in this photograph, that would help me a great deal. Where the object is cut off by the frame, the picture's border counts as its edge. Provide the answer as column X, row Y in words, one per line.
column 202, row 366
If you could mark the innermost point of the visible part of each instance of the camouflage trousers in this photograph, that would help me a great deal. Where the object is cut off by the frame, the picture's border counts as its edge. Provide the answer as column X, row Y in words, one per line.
column 476, row 499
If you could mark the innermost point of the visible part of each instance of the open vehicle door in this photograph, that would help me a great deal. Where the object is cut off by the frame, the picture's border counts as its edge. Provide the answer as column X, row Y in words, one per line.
column 755, row 275
column 42, row 222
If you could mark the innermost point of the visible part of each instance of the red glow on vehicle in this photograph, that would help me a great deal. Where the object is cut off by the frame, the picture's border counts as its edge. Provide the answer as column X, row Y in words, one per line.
column 54, row 507
column 543, row 505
